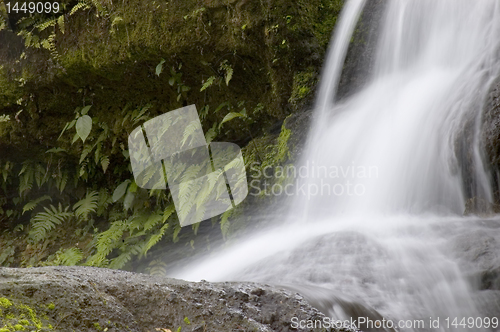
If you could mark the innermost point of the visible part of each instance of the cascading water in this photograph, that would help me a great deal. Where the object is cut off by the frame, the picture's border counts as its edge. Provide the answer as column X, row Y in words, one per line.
column 384, row 186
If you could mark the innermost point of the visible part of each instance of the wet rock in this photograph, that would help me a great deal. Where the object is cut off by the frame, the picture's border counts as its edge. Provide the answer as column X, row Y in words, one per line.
column 478, row 249
column 360, row 58
column 92, row 299
column 490, row 136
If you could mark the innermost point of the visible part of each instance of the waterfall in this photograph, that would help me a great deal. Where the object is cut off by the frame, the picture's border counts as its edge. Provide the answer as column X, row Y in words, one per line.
column 384, row 188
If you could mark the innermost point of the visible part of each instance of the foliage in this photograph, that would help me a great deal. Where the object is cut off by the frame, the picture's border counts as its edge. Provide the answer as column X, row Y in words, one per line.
column 72, row 199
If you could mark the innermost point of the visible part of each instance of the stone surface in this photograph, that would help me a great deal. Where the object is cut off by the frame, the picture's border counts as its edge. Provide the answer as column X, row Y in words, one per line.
column 91, row 299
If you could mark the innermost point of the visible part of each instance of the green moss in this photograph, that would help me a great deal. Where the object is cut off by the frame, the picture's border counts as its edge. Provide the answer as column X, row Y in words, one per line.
column 5, row 302
column 51, row 306
column 21, row 317
column 280, row 153
column 303, row 84
column 97, row 326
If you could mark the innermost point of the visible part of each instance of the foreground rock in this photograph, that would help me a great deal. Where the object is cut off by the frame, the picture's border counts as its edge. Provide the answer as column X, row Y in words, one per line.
column 91, row 299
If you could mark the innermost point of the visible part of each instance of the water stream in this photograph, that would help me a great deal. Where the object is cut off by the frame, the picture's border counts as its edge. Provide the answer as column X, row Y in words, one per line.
column 381, row 218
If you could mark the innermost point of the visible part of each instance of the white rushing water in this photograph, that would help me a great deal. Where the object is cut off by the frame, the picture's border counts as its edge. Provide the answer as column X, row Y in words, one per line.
column 384, row 187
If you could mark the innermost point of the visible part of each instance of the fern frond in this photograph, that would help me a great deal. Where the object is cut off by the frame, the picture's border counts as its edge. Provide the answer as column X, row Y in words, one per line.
column 157, row 268
column 34, row 203
column 225, row 224
column 106, row 242
column 87, row 205
column 191, row 129
column 153, row 220
column 81, row 5
column 120, row 261
column 60, row 23
column 27, row 178
column 45, row 24
column 105, row 164
column 154, row 239
column 44, row 222
column 85, row 153
column 69, row 257
column 62, row 181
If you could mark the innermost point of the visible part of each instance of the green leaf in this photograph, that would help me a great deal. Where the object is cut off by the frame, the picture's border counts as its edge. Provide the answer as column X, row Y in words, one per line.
column 229, row 71
column 222, row 105
column 208, row 83
column 133, row 187
column 104, row 164
column 60, row 22
column 83, row 127
column 211, row 133
column 171, row 81
column 177, row 230
column 86, row 109
column 68, row 125
column 159, row 67
column 168, row 212
column 75, row 138
column 129, row 199
column 120, row 190
column 55, row 150
column 231, row 116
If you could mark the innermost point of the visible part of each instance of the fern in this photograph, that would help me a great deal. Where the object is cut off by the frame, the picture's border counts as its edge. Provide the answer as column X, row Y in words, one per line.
column 189, row 131
column 68, row 257
column 27, row 178
column 62, row 181
column 104, row 201
column 154, row 240
column 157, row 268
column 85, row 153
column 106, row 242
column 40, row 175
column 128, row 251
column 45, row 24
column 120, row 261
column 81, row 5
column 105, row 164
column 225, row 224
column 177, row 230
column 34, row 203
column 44, row 222
column 60, row 23
column 208, row 83
column 228, row 69
column 87, row 205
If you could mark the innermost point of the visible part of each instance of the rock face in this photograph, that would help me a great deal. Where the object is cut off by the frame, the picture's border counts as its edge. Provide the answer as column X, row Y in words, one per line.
column 491, row 134
column 361, row 55
column 91, row 299
column 478, row 247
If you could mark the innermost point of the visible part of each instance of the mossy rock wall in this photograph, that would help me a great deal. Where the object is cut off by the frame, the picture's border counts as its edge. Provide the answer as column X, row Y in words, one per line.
column 106, row 57
column 131, row 61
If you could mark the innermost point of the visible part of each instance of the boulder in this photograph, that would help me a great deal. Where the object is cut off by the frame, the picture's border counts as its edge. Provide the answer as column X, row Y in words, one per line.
column 92, row 299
